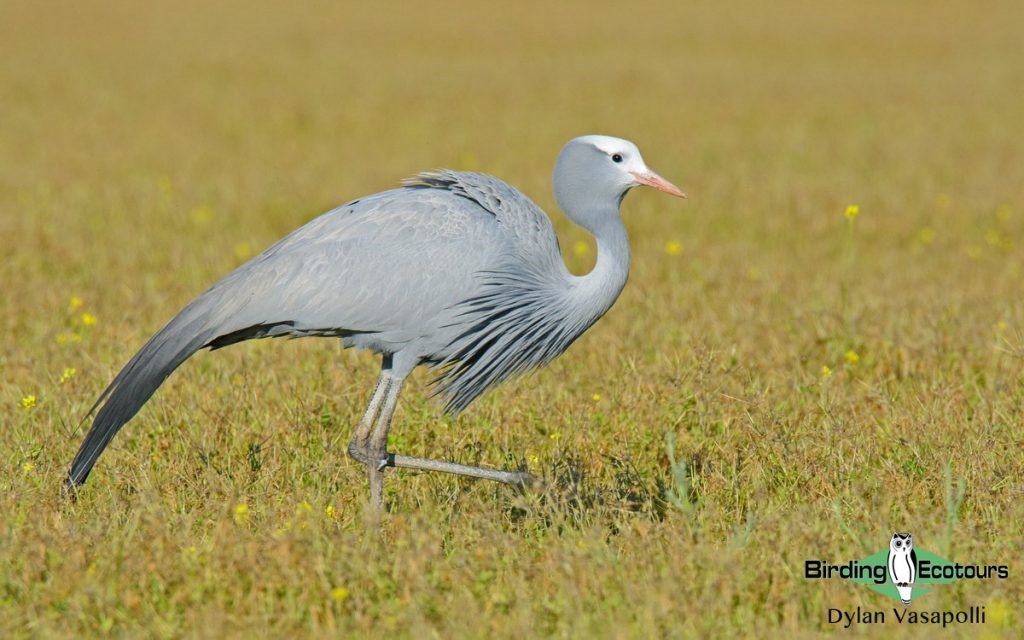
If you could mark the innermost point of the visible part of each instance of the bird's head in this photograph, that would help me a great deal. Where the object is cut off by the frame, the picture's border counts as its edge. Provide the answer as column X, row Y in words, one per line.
column 901, row 542
column 594, row 173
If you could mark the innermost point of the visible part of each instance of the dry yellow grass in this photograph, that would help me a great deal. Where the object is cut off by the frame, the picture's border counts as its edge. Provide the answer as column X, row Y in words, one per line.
column 820, row 379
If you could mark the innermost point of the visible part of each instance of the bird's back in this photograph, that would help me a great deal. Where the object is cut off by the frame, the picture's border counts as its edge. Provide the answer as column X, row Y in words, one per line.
column 389, row 269
column 525, row 225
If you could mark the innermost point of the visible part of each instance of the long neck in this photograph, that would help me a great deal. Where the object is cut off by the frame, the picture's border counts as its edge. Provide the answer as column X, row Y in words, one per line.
column 595, row 293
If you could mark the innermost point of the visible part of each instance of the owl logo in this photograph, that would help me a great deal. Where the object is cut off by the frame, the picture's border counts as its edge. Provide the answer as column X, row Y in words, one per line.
column 902, row 564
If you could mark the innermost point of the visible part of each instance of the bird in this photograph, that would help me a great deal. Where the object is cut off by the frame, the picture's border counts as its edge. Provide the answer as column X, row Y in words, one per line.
column 902, row 562
column 456, row 271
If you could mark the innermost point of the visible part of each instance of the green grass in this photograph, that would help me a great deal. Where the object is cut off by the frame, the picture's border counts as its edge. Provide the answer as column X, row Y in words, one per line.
column 147, row 150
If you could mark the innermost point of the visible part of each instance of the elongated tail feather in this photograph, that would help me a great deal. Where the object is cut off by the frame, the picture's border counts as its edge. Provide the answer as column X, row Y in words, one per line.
column 185, row 334
column 220, row 317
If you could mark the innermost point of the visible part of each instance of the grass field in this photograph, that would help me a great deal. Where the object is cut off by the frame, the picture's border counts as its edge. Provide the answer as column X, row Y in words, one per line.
column 825, row 380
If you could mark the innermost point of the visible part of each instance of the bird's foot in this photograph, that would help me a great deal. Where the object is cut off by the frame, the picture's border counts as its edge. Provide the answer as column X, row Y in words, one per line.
column 526, row 480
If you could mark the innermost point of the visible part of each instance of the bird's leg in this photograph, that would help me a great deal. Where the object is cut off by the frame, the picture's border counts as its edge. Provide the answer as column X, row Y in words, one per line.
column 358, row 448
column 369, row 446
column 377, row 458
column 520, row 479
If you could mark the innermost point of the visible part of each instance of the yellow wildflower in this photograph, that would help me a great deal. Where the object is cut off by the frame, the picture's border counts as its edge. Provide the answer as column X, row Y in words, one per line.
column 596, row 397
column 88, row 319
column 28, row 402
column 69, row 372
column 852, row 357
column 339, row 594
column 75, row 303
column 926, row 235
column 201, row 216
column 973, row 251
column 241, row 513
column 331, row 512
column 555, row 437
column 243, row 251
column 533, row 459
column 999, row 612
column 580, row 248
column 852, row 211
column 673, row 247
column 27, row 467
column 754, row 274
column 826, row 371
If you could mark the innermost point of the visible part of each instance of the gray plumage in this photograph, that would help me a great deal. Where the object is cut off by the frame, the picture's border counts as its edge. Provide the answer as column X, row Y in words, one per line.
column 455, row 270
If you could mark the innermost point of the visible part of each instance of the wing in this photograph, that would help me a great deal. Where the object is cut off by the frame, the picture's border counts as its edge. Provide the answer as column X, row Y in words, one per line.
column 913, row 566
column 385, row 264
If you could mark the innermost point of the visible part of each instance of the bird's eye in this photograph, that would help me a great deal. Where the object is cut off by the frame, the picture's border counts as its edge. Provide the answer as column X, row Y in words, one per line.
column 616, row 157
